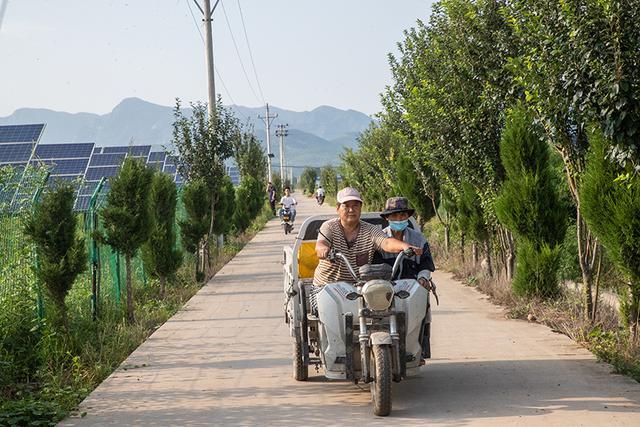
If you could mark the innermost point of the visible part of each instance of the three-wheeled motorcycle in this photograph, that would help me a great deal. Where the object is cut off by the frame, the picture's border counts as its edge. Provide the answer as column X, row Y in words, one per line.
column 371, row 330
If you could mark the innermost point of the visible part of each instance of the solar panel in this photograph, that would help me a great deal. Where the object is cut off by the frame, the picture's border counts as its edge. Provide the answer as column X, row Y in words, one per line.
column 95, row 173
column 113, row 159
column 157, row 156
column 82, row 203
column 131, row 150
column 64, row 166
column 64, row 151
column 20, row 133
column 15, row 153
column 170, row 169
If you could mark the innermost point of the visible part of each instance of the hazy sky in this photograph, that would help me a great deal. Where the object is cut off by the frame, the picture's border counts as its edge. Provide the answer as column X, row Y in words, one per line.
column 73, row 55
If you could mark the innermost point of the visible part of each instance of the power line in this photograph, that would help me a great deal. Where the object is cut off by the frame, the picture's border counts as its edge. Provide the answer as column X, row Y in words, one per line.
column 255, row 72
column 195, row 21
column 233, row 39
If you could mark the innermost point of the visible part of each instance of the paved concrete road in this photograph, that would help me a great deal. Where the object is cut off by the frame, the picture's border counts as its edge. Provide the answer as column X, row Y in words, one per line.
column 225, row 360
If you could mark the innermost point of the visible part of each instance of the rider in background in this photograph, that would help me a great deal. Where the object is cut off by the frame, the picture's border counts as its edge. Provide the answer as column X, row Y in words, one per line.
column 288, row 202
column 320, row 193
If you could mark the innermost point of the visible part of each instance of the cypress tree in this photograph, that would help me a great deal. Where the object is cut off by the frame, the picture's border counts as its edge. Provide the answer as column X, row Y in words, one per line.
column 161, row 256
column 194, row 228
column 529, row 205
column 61, row 253
column 127, row 218
column 610, row 203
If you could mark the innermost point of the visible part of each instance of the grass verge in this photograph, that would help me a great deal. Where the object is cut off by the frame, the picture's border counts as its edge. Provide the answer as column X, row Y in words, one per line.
column 71, row 365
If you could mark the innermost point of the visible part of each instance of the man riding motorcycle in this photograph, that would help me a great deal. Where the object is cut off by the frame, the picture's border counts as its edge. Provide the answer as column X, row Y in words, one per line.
column 320, row 195
column 288, row 202
column 419, row 267
column 356, row 239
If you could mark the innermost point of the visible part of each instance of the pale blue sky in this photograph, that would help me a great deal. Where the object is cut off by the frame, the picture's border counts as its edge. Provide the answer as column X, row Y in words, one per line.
column 73, row 55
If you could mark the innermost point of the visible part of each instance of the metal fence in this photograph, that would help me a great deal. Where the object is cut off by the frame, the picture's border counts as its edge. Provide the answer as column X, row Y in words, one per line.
column 101, row 286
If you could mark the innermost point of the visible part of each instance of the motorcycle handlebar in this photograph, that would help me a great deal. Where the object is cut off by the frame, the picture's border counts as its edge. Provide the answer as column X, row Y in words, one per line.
column 332, row 257
column 401, row 256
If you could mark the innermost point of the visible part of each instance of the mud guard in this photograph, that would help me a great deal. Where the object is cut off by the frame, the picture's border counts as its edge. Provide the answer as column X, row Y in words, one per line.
column 381, row 338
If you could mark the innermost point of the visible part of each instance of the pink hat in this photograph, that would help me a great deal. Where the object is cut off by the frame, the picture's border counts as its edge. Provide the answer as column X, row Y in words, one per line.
column 347, row 194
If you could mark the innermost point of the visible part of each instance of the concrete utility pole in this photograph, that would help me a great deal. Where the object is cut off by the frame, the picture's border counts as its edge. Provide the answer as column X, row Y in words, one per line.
column 281, row 132
column 267, row 123
column 3, row 9
column 207, row 12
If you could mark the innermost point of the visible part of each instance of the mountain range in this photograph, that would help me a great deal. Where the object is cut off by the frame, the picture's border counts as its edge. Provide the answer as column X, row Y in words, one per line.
column 316, row 137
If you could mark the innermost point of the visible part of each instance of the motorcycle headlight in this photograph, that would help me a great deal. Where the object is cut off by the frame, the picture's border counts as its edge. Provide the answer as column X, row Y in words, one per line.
column 378, row 294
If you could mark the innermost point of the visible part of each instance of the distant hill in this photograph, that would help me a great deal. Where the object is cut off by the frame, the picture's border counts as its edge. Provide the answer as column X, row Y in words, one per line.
column 315, row 138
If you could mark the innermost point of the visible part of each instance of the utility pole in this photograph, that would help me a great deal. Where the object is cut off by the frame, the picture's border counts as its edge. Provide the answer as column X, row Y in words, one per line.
column 267, row 123
column 281, row 132
column 207, row 13
column 3, row 9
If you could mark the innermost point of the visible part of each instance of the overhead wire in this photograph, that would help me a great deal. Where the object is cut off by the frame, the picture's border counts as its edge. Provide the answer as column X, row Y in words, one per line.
column 233, row 39
column 253, row 64
column 195, row 21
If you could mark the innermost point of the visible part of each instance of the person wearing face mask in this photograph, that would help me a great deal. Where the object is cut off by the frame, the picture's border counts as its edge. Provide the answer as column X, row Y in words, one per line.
column 397, row 212
column 419, row 267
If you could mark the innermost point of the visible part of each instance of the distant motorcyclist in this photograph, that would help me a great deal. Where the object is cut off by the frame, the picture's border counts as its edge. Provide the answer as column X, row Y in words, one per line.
column 320, row 195
column 356, row 239
column 397, row 212
column 288, row 202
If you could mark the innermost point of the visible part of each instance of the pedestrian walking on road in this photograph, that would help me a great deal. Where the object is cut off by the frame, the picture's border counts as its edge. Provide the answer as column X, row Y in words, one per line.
column 271, row 189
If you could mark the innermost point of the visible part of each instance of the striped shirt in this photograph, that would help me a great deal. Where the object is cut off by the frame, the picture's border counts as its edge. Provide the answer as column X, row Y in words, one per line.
column 359, row 252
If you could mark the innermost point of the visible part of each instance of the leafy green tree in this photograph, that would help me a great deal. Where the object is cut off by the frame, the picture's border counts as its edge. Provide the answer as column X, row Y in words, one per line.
column 250, row 198
column 611, row 208
column 226, row 208
column 529, row 205
column 194, row 228
column 408, row 184
column 250, row 156
column 370, row 169
column 204, row 143
column 577, row 66
column 127, row 218
column 160, row 253
column 61, row 252
column 308, row 180
column 329, row 180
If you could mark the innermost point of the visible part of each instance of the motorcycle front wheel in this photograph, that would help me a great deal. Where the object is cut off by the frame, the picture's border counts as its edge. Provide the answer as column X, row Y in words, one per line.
column 381, row 384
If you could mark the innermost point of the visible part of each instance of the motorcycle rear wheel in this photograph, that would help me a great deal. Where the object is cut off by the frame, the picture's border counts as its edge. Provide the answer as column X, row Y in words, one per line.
column 381, row 384
column 300, row 372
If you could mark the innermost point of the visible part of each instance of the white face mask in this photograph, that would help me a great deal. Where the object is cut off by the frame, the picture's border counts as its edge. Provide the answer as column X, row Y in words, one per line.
column 399, row 225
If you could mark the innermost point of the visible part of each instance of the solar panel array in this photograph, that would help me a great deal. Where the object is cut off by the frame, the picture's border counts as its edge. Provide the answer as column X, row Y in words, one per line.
column 81, row 162
column 66, row 161
column 17, row 143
